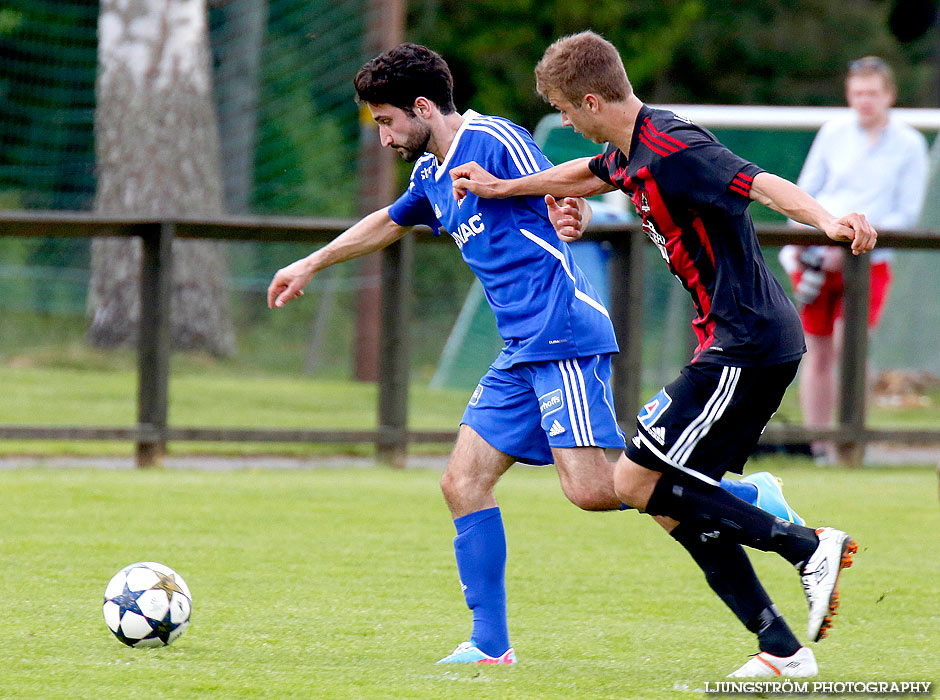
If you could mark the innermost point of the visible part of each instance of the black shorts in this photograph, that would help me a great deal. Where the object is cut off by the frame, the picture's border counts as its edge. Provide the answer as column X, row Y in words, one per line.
column 708, row 421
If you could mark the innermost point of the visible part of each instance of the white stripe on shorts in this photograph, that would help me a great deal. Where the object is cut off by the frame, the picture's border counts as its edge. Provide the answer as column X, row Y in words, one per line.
column 610, row 408
column 672, row 463
column 576, row 367
column 576, row 399
column 714, row 408
column 573, row 413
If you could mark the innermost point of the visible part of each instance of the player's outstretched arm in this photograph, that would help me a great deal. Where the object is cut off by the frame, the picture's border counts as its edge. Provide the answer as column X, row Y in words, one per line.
column 571, row 179
column 372, row 233
column 788, row 199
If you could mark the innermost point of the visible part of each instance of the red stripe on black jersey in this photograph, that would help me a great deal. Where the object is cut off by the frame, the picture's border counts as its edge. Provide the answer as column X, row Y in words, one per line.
column 656, row 148
column 681, row 261
column 662, row 135
column 699, row 227
column 649, row 135
column 742, row 184
column 704, row 332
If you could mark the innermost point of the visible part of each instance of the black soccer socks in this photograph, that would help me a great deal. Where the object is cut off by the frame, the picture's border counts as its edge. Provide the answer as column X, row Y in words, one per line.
column 711, row 509
column 730, row 575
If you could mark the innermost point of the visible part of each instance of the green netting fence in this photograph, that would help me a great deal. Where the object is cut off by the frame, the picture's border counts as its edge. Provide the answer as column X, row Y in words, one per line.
column 282, row 75
column 282, row 72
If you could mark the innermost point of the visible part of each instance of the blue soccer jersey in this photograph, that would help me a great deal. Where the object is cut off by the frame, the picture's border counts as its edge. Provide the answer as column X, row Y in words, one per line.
column 545, row 308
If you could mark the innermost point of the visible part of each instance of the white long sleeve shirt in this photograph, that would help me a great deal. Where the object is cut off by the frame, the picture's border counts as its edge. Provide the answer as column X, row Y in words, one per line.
column 886, row 181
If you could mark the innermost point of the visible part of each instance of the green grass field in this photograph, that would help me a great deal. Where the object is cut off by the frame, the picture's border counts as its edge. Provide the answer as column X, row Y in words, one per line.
column 342, row 584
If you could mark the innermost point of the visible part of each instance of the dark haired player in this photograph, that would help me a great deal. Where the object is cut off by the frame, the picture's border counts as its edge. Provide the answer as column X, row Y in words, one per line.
column 692, row 195
column 547, row 397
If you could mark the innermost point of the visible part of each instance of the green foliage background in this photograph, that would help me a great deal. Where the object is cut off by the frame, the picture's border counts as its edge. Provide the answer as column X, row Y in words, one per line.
column 707, row 51
column 685, row 51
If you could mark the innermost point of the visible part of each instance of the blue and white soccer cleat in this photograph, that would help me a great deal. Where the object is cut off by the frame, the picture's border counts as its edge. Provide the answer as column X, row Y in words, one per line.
column 468, row 653
column 770, row 497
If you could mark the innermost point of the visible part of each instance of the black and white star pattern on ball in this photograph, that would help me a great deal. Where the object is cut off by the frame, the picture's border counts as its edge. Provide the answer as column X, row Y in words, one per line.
column 127, row 601
column 147, row 605
column 163, row 629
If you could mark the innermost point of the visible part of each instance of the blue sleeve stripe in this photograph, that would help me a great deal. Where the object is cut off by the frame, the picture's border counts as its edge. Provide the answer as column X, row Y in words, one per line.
column 506, row 128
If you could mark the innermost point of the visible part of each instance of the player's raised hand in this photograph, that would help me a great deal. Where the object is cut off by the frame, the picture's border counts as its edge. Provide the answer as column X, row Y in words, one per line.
column 471, row 177
column 565, row 216
column 853, row 228
column 289, row 282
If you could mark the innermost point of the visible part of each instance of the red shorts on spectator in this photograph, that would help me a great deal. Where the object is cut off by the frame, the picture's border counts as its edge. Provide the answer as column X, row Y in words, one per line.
column 820, row 315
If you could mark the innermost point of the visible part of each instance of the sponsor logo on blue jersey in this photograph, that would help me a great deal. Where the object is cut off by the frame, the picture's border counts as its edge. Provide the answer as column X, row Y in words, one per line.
column 551, row 402
column 653, row 409
column 475, row 397
column 468, row 230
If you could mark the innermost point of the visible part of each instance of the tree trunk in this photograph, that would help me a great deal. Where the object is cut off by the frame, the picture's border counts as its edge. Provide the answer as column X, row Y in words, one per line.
column 238, row 55
column 385, row 21
column 157, row 150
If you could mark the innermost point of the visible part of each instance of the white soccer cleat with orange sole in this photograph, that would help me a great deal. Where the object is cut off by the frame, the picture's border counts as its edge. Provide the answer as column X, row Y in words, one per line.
column 820, row 577
column 763, row 665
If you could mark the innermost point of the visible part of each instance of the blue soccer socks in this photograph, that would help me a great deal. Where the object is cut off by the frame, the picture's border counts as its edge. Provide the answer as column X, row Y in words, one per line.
column 744, row 490
column 480, row 546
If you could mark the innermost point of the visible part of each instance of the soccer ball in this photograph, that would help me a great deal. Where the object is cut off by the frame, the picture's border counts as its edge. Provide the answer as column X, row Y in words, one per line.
column 147, row 605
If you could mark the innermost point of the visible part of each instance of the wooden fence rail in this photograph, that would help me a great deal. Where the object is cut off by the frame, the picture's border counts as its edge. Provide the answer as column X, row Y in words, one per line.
column 392, row 436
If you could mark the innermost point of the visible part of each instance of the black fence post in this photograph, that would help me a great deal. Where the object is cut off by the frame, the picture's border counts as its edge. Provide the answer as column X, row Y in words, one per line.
column 392, row 441
column 853, row 370
column 153, row 349
column 626, row 302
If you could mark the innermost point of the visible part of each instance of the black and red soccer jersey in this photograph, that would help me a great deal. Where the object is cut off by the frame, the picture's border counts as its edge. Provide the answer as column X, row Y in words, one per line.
column 692, row 195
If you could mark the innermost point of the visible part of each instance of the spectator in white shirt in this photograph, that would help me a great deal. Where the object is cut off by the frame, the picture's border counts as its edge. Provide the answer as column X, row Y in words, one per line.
column 869, row 162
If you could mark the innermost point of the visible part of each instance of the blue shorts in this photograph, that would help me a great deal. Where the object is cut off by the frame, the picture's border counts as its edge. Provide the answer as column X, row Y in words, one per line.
column 527, row 409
